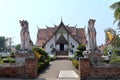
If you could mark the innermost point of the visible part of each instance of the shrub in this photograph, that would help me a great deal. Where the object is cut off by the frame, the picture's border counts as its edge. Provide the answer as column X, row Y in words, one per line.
column 40, row 50
column 81, row 47
column 75, row 63
column 42, row 65
column 8, row 60
column 46, row 63
column 41, row 59
column 40, row 53
column 115, row 60
column 105, row 51
column 1, row 61
column 52, row 58
column 12, row 55
column 12, row 61
column 80, row 50
column 70, row 58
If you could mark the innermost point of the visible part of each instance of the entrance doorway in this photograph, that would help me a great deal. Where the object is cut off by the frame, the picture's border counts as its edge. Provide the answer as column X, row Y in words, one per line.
column 61, row 47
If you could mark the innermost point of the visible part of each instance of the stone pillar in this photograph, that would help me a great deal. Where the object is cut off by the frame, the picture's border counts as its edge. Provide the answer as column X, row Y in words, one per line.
column 84, row 67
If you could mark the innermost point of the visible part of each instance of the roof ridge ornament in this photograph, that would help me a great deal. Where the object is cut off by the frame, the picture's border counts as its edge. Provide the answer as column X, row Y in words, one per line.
column 37, row 27
column 61, row 20
column 61, row 23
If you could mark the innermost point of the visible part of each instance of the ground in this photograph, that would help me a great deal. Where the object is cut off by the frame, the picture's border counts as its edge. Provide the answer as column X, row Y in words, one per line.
column 53, row 70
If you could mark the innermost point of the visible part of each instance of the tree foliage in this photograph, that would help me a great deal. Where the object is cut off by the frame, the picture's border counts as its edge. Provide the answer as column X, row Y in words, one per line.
column 80, row 50
column 2, row 43
column 40, row 53
column 116, row 7
column 116, row 42
column 17, row 47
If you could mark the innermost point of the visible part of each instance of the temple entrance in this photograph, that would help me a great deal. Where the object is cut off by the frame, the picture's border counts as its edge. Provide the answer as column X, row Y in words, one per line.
column 62, row 50
column 61, row 47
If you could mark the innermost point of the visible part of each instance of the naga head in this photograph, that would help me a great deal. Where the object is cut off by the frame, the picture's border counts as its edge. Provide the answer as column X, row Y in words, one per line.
column 23, row 23
column 91, row 22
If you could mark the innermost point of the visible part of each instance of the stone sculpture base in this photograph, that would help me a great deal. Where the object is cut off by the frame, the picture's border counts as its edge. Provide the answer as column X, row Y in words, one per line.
column 94, row 56
column 21, row 56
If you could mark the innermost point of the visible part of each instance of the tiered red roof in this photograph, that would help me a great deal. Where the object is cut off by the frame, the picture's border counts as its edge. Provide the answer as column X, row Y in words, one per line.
column 45, row 34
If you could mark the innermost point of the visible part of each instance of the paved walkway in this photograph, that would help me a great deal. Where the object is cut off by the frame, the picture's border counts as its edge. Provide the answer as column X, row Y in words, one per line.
column 53, row 70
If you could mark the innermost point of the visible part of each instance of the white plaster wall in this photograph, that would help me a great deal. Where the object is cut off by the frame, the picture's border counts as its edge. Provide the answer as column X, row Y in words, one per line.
column 58, row 47
column 65, row 36
column 65, row 47
column 74, row 42
column 49, row 43
column 58, row 35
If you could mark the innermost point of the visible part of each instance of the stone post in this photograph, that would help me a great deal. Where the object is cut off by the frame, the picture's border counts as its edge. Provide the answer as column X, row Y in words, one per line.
column 31, row 68
column 84, row 67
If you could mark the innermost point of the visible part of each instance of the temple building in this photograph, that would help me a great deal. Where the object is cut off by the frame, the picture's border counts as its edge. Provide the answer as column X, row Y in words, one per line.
column 61, row 39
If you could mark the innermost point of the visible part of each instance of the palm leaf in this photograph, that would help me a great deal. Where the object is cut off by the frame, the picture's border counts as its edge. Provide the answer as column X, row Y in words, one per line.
column 118, row 24
column 117, row 14
column 115, row 5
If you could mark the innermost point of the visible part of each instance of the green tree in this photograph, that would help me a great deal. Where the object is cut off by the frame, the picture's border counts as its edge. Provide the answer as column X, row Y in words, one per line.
column 116, row 7
column 2, row 43
column 116, row 42
column 80, row 50
column 17, row 47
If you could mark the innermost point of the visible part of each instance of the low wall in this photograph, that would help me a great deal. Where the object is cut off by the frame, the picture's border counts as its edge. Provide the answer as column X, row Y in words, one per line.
column 105, row 72
column 87, row 70
column 29, row 70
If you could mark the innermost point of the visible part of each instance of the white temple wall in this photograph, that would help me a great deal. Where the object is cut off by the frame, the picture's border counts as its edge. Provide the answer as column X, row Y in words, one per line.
column 65, row 36
column 65, row 47
column 49, row 43
column 58, row 35
column 57, row 47
column 74, row 42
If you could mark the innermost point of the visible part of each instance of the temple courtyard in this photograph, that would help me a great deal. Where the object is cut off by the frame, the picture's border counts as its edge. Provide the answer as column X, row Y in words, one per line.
column 52, row 71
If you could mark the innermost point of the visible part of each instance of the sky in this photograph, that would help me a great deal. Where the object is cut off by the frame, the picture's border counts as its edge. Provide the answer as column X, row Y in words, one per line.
column 49, row 12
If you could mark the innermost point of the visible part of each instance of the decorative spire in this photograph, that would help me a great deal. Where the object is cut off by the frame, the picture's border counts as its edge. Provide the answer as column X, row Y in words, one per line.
column 55, row 25
column 61, row 23
column 67, row 25
column 37, row 27
column 61, row 20
column 76, row 25
column 46, row 26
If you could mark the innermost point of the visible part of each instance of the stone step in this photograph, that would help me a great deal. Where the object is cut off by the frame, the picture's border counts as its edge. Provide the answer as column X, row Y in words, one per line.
column 62, row 53
column 61, row 57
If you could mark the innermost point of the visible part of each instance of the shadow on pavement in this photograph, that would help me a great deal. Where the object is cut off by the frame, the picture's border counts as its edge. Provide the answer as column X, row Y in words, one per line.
column 44, row 71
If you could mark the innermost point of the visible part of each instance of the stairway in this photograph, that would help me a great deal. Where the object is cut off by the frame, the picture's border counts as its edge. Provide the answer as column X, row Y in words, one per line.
column 62, row 53
column 64, row 57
